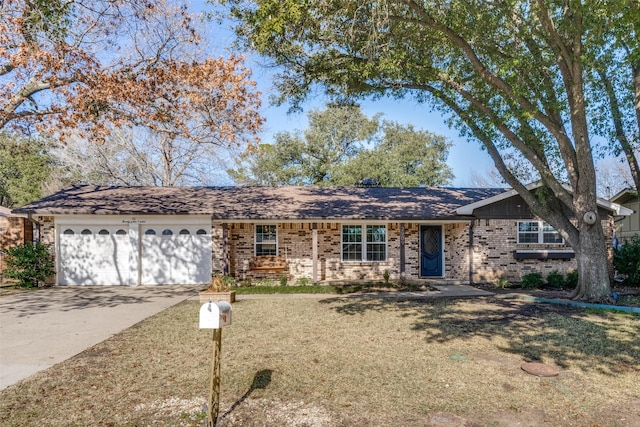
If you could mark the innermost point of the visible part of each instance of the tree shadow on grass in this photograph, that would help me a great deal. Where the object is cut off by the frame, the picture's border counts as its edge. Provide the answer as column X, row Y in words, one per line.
column 261, row 380
column 605, row 342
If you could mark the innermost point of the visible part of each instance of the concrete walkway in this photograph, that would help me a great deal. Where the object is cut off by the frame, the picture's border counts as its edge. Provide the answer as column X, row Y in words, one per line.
column 41, row 328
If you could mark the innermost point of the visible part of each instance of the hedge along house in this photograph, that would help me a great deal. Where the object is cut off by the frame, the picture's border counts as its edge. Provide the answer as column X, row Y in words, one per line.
column 184, row 235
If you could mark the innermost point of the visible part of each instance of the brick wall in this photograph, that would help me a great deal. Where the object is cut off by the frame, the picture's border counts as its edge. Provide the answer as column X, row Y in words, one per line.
column 14, row 231
column 494, row 243
column 295, row 244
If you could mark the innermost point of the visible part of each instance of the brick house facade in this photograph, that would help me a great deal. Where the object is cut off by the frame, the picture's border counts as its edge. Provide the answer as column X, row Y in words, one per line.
column 315, row 233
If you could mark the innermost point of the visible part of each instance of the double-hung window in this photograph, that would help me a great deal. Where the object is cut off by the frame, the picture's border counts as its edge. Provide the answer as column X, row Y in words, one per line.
column 266, row 241
column 364, row 242
column 538, row 232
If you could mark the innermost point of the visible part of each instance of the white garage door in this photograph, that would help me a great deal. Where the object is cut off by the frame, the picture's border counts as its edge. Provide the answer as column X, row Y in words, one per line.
column 175, row 254
column 94, row 255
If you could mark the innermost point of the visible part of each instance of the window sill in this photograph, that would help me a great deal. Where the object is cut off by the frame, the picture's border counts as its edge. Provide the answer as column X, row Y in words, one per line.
column 543, row 254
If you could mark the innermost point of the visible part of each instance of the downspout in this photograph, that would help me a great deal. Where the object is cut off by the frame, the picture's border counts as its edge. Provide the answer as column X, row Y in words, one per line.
column 225, row 248
column 402, row 250
column 471, row 223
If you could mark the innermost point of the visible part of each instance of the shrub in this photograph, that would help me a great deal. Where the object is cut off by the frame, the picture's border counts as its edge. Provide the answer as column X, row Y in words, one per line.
column 555, row 279
column 283, row 280
column 229, row 281
column 386, row 275
column 502, row 283
column 626, row 260
column 30, row 264
column 532, row 280
column 571, row 281
column 304, row 281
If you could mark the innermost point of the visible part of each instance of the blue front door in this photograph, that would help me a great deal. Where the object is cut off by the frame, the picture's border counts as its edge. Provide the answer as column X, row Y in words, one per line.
column 430, row 251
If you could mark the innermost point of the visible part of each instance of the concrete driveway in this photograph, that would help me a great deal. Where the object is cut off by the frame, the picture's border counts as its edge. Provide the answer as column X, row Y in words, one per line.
column 41, row 328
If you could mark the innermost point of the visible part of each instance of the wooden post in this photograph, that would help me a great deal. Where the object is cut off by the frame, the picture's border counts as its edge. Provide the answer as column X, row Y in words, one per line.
column 214, row 389
column 402, row 250
column 314, row 251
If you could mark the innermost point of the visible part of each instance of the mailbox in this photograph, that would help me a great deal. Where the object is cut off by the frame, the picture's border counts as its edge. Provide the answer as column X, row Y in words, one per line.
column 215, row 315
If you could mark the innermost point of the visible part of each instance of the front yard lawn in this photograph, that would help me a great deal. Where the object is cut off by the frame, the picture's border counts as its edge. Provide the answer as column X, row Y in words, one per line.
column 350, row 362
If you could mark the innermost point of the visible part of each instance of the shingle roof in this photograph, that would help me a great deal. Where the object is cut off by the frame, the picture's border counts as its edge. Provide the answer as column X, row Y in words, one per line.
column 263, row 202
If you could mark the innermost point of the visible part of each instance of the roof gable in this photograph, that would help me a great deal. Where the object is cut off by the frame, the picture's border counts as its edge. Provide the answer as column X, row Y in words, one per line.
column 469, row 209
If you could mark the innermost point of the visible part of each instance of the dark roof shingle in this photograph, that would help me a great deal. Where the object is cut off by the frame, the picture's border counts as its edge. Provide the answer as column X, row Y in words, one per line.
column 242, row 203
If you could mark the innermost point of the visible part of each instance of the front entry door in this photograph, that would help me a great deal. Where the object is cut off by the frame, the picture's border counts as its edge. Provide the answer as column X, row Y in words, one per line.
column 430, row 251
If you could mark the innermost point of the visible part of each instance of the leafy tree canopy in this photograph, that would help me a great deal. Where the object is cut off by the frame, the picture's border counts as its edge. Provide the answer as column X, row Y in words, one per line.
column 24, row 168
column 343, row 147
column 88, row 66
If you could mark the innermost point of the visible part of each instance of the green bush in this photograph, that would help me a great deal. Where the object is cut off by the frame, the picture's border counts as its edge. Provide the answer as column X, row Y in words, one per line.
column 304, row 281
column 571, row 281
column 555, row 279
column 532, row 280
column 626, row 260
column 283, row 280
column 30, row 264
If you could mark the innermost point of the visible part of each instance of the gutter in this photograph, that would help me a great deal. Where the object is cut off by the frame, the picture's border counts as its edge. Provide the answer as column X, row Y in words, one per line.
column 573, row 303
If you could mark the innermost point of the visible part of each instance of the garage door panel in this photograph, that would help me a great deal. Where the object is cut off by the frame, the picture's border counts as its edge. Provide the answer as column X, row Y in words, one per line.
column 175, row 255
column 94, row 259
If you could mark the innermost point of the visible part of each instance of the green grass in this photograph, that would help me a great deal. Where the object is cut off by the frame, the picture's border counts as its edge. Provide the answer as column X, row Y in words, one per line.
column 294, row 289
column 321, row 289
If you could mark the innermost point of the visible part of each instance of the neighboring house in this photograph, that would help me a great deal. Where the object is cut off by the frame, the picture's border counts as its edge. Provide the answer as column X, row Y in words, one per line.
column 14, row 230
column 151, row 235
column 627, row 226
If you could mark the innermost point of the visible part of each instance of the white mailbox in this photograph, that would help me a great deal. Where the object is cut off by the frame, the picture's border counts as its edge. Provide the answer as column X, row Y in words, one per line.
column 215, row 315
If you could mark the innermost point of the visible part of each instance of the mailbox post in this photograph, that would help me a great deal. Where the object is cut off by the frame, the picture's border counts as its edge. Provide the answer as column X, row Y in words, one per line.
column 215, row 315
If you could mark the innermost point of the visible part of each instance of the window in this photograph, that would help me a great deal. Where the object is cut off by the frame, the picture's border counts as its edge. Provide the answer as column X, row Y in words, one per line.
column 167, row 232
column 370, row 246
column 68, row 231
column 184, row 231
column 150, row 232
column 121, row 232
column 86, row 232
column 538, row 232
column 266, row 239
column 201, row 232
column 103, row 232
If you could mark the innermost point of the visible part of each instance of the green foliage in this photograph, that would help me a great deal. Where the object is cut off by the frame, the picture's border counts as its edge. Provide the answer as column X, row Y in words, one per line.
column 555, row 279
column 532, row 281
column 304, row 281
column 386, row 275
column 342, row 147
column 571, row 281
column 626, row 260
column 30, row 264
column 24, row 168
column 283, row 280
column 502, row 283
column 229, row 281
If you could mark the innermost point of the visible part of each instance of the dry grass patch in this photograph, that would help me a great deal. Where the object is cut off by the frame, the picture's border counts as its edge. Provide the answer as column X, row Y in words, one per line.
column 350, row 361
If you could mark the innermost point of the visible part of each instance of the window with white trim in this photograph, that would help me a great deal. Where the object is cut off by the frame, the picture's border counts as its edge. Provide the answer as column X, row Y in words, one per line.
column 370, row 245
column 266, row 241
column 538, row 232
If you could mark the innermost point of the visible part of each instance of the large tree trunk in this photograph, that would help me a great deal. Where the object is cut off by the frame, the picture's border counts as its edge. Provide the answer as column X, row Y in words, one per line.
column 593, row 264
